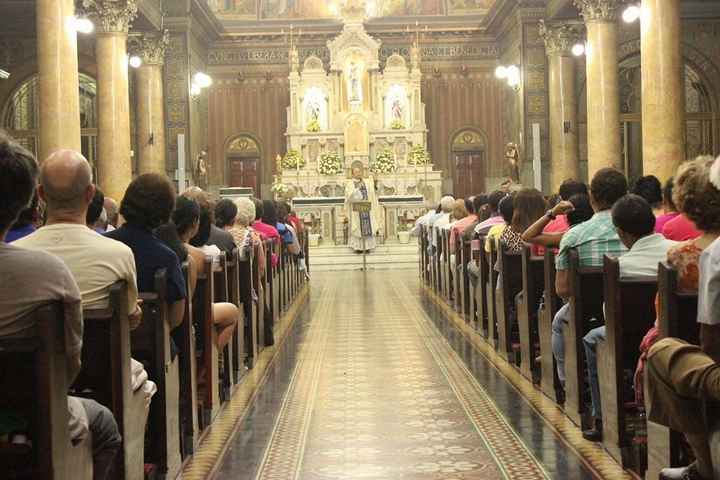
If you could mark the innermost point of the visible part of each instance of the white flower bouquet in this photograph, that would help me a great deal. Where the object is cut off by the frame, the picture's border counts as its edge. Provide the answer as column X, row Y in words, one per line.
column 418, row 156
column 330, row 164
column 384, row 162
column 293, row 159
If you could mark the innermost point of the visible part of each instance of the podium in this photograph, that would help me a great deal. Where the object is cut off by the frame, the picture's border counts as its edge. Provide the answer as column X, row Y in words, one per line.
column 363, row 206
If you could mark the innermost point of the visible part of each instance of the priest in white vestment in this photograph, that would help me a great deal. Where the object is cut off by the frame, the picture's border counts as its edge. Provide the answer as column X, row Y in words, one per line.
column 362, row 226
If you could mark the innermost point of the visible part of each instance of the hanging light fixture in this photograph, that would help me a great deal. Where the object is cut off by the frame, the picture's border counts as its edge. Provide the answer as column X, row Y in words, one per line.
column 631, row 14
column 578, row 49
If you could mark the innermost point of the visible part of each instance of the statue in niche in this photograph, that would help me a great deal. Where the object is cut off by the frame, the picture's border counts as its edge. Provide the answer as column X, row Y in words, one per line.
column 200, row 170
column 354, row 80
column 512, row 156
column 397, row 111
column 313, row 116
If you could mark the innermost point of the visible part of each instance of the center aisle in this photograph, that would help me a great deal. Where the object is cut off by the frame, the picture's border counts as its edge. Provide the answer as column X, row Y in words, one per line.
column 368, row 386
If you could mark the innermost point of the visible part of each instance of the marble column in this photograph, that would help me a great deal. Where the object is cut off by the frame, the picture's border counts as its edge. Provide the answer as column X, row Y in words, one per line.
column 112, row 22
column 603, row 100
column 150, row 113
column 59, row 102
column 559, row 40
column 663, row 95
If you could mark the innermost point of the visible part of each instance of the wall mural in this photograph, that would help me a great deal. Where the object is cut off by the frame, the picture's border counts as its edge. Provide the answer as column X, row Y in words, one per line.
column 280, row 9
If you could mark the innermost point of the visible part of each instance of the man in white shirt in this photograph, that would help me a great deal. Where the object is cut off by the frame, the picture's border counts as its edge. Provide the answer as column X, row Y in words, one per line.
column 32, row 279
column 634, row 221
column 96, row 262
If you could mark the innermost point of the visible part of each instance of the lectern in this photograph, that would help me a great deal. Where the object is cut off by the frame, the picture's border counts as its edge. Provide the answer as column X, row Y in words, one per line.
column 363, row 206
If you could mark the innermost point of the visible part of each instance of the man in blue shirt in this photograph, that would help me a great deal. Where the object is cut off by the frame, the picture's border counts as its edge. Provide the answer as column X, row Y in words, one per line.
column 148, row 202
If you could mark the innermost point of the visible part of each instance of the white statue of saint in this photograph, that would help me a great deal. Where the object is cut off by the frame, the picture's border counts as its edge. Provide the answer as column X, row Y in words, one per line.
column 397, row 110
column 354, row 80
column 363, row 227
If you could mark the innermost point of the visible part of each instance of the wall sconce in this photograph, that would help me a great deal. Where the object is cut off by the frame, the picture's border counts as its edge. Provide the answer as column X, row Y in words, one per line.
column 631, row 14
column 578, row 49
column 83, row 25
column 200, row 81
column 510, row 73
column 135, row 61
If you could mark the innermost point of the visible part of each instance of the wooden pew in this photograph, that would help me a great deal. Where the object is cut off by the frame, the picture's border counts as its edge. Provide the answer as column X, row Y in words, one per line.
column 629, row 314
column 260, row 296
column 447, row 268
column 107, row 348
column 151, row 345
column 481, row 296
column 458, row 291
column 467, row 294
column 586, row 304
column 238, row 343
column 510, row 285
column 437, row 247
column 221, row 292
column 490, row 291
column 36, row 367
column 185, row 339
column 271, row 296
column 676, row 318
column 249, row 346
column 549, row 382
column 205, row 326
column 532, row 287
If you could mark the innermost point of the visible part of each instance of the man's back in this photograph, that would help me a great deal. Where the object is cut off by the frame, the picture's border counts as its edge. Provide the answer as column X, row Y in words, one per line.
column 96, row 262
column 592, row 240
column 643, row 258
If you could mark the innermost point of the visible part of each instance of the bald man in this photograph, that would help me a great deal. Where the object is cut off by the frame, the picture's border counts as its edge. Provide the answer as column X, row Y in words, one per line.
column 111, row 208
column 96, row 262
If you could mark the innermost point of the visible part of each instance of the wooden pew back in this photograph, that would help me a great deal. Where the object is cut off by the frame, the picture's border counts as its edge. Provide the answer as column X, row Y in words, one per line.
column 549, row 381
column 490, row 291
column 629, row 314
column 185, row 339
column 205, row 326
column 510, row 275
column 36, row 368
column 532, row 287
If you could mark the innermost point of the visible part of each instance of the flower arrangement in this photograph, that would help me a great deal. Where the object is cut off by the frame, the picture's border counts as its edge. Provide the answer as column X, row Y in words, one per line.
column 313, row 126
column 384, row 162
column 293, row 159
column 397, row 125
column 280, row 188
column 418, row 156
column 330, row 164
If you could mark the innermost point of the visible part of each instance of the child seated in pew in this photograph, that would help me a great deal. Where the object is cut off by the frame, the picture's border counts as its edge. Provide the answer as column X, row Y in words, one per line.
column 682, row 378
column 634, row 221
column 32, row 279
column 186, row 222
column 528, row 206
column 692, row 195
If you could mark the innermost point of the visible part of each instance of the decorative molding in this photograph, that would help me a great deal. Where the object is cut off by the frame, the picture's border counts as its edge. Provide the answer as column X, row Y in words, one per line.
column 598, row 10
column 150, row 47
column 560, row 38
column 112, row 16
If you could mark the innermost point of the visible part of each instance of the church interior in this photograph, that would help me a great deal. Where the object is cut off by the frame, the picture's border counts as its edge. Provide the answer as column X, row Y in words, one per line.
column 378, row 239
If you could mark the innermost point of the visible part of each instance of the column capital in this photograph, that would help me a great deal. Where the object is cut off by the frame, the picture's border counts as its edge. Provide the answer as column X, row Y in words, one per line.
column 112, row 16
column 598, row 10
column 560, row 37
column 150, row 46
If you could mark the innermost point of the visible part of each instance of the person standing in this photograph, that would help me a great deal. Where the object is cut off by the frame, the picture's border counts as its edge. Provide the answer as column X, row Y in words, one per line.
column 363, row 225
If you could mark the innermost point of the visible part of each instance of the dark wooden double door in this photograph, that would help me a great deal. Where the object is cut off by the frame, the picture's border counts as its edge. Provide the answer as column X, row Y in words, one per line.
column 244, row 172
column 469, row 173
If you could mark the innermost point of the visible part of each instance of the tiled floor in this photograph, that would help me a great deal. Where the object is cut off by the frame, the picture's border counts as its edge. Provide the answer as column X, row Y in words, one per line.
column 375, row 383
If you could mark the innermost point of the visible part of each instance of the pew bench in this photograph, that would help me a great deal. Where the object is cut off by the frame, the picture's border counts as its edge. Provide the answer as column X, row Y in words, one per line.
column 549, row 381
column 509, row 285
column 533, row 277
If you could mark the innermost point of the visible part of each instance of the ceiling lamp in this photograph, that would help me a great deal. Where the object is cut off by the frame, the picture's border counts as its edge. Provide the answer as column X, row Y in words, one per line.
column 501, row 72
column 631, row 14
column 578, row 49
column 513, row 75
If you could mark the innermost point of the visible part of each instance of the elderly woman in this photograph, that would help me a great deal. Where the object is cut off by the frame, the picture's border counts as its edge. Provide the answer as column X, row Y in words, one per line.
column 244, row 235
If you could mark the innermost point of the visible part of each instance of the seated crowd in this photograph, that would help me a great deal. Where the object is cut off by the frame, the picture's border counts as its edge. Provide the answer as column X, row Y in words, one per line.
column 62, row 241
column 642, row 226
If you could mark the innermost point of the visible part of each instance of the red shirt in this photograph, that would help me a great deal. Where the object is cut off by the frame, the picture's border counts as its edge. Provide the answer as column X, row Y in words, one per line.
column 559, row 225
column 681, row 229
column 267, row 232
column 662, row 220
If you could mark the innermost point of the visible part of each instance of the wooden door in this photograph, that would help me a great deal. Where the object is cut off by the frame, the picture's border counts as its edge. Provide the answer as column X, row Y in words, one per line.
column 469, row 173
column 244, row 172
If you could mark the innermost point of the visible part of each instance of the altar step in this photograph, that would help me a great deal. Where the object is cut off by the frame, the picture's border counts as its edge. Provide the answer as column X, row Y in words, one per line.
column 393, row 256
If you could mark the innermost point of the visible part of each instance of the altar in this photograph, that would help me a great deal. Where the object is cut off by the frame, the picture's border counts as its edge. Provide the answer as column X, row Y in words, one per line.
column 355, row 110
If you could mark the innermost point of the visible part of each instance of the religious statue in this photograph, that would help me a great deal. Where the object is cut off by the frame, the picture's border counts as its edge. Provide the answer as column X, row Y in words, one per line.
column 200, row 171
column 363, row 225
column 397, row 110
column 513, row 161
column 354, row 78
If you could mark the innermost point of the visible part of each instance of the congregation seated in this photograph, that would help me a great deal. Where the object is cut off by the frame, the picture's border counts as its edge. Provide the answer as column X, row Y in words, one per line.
column 93, row 218
column 528, row 206
column 208, row 233
column 96, row 262
column 34, row 278
column 111, row 209
column 246, row 238
column 288, row 231
column 148, row 203
column 186, row 224
column 681, row 377
column 592, row 240
column 650, row 189
column 481, row 212
column 634, row 221
column 506, row 210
